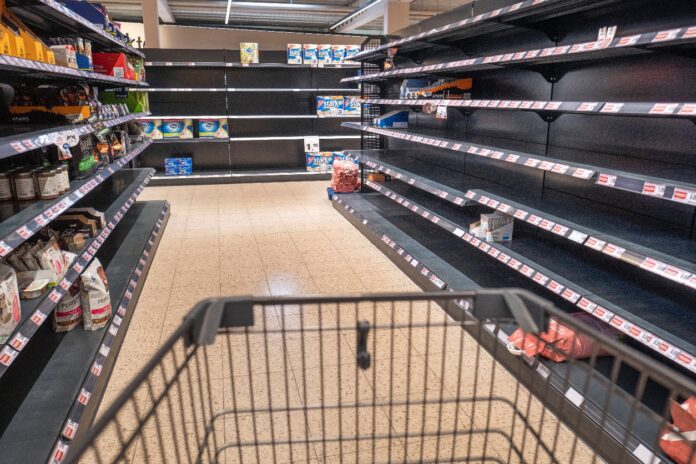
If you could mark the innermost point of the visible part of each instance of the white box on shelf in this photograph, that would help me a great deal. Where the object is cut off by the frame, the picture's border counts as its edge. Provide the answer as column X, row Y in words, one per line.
column 495, row 227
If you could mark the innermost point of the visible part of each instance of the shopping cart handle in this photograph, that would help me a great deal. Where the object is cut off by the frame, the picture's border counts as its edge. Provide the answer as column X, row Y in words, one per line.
column 208, row 316
column 529, row 311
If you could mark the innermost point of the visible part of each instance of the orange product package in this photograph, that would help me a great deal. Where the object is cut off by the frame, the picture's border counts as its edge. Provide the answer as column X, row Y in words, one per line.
column 678, row 441
column 560, row 342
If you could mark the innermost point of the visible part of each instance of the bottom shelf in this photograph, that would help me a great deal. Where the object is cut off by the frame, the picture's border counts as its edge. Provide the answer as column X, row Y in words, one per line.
column 65, row 381
column 574, row 391
column 239, row 177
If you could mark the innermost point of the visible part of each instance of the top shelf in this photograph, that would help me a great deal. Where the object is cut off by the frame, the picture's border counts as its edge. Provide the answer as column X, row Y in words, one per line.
column 221, row 64
column 631, row 44
column 485, row 23
column 50, row 15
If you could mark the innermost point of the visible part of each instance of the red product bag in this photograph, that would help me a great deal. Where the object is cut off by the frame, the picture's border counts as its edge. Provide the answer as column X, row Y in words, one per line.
column 560, row 342
column 345, row 177
column 681, row 446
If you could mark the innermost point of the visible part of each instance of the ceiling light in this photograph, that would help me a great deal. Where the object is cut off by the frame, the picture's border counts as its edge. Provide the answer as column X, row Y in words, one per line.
column 227, row 16
column 352, row 15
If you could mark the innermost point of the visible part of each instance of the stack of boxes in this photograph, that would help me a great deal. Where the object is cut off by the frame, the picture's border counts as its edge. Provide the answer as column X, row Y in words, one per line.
column 178, row 166
column 322, row 54
column 332, row 106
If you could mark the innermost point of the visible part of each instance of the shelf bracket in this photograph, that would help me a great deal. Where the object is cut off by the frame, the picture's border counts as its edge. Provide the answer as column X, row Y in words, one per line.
column 548, row 116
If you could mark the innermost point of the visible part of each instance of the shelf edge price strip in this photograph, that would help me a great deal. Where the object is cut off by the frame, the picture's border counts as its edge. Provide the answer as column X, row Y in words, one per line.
column 23, row 145
column 415, row 263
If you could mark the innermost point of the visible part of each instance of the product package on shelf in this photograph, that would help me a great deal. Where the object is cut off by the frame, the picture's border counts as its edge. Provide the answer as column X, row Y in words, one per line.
column 249, row 53
column 113, row 64
column 136, row 102
column 177, row 128
column 345, row 177
column 82, row 160
column 397, row 119
column 213, row 128
column 329, row 106
column 351, row 106
column 338, row 54
column 85, row 221
column 294, row 53
column 72, row 52
column 560, row 342
column 309, row 54
column 178, row 166
column 68, row 312
column 341, row 156
column 152, row 128
column 675, row 437
column 94, row 294
column 351, row 51
column 23, row 43
column 319, row 162
column 495, row 227
column 324, row 54
column 9, row 302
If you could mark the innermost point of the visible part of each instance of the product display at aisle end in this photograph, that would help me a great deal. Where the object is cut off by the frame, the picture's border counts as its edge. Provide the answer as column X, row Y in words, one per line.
column 549, row 167
column 75, row 246
column 248, row 115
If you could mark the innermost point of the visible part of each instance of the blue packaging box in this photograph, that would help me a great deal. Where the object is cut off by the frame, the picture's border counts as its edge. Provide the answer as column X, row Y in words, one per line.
column 177, row 129
column 397, row 119
column 351, row 106
column 319, row 162
column 213, row 129
column 185, row 170
column 88, row 11
column 309, row 53
column 329, row 106
column 294, row 53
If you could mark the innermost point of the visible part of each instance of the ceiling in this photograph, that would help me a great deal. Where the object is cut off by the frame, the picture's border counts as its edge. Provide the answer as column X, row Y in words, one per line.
column 302, row 15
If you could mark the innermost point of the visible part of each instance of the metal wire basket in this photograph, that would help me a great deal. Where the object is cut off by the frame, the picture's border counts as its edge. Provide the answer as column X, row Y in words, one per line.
column 381, row 378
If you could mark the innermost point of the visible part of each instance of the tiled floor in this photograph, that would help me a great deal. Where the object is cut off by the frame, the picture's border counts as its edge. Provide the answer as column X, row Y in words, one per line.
column 286, row 239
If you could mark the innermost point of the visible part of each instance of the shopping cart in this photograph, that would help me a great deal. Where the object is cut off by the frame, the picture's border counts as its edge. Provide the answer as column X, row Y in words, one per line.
column 382, row 378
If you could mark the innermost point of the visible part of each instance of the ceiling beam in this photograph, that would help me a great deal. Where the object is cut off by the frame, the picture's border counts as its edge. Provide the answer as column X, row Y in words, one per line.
column 360, row 16
column 165, row 13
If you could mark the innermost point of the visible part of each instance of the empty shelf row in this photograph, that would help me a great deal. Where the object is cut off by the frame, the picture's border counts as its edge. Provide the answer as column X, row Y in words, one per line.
column 599, row 49
column 649, row 183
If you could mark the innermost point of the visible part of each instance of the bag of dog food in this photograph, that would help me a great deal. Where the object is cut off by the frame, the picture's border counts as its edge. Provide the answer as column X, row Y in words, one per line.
column 68, row 312
column 9, row 302
column 96, row 301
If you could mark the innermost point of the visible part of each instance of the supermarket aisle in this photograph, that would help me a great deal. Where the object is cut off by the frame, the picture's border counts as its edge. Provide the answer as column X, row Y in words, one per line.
column 237, row 239
column 279, row 239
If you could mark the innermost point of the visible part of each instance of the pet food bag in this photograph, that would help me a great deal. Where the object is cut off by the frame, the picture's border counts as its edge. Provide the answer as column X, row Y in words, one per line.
column 9, row 302
column 678, row 441
column 345, row 177
column 68, row 312
column 96, row 301
column 560, row 342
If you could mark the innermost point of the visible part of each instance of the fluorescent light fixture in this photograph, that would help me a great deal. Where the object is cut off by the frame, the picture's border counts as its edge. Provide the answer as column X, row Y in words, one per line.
column 227, row 15
column 353, row 14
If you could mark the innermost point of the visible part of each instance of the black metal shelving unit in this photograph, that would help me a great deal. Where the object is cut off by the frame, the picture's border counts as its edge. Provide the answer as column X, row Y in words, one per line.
column 270, row 108
column 570, row 136
column 51, row 383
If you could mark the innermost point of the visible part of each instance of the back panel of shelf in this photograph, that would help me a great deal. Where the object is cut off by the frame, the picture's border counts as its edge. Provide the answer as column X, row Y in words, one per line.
column 246, row 154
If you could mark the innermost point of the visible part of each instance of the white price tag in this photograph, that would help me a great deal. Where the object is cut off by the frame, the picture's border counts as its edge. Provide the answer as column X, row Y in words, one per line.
column 606, row 179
